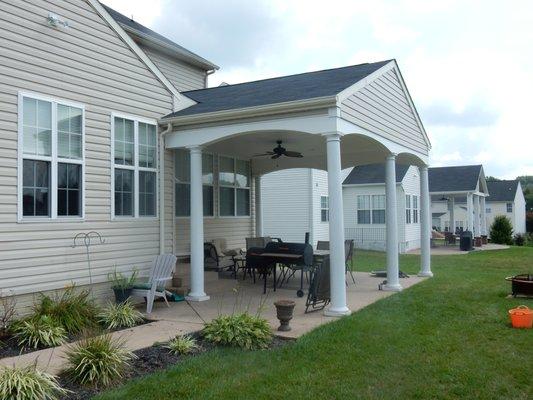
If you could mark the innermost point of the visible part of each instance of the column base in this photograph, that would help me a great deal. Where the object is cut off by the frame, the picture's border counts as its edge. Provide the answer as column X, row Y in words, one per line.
column 392, row 288
column 425, row 274
column 194, row 297
column 337, row 312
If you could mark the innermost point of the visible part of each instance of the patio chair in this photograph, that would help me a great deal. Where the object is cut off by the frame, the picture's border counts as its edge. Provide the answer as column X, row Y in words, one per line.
column 217, row 257
column 319, row 294
column 348, row 251
column 322, row 245
column 160, row 273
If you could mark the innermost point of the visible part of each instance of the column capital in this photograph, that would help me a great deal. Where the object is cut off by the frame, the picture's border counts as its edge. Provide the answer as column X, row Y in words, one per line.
column 392, row 156
column 423, row 167
column 194, row 148
column 333, row 136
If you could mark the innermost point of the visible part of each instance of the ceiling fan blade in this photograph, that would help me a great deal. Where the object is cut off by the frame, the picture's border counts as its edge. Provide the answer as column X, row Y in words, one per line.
column 268, row 153
column 293, row 154
column 275, row 156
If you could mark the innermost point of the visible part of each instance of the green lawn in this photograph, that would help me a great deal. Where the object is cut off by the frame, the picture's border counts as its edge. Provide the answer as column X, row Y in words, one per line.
column 446, row 338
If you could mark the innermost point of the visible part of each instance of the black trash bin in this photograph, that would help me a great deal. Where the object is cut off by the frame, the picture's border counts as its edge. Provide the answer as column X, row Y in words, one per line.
column 466, row 241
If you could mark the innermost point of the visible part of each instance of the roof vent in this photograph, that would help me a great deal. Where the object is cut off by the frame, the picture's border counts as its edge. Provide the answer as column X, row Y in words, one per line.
column 223, row 84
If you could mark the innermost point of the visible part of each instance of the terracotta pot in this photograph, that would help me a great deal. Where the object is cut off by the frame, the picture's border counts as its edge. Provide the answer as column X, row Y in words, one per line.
column 484, row 239
column 477, row 241
column 284, row 312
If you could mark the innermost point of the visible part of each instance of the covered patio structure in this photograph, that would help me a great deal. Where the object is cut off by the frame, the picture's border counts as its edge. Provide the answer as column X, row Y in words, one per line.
column 336, row 119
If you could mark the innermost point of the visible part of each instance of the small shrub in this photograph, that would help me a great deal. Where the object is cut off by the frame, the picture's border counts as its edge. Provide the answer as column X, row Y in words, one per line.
column 8, row 305
column 239, row 330
column 182, row 345
column 120, row 281
column 501, row 230
column 28, row 383
column 40, row 331
column 97, row 361
column 74, row 311
column 122, row 315
column 519, row 239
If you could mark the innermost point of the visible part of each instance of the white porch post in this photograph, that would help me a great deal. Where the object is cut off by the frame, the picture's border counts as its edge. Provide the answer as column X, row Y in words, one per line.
column 483, row 216
column 391, row 220
column 258, row 208
column 477, row 221
column 197, row 292
column 425, row 224
column 452, row 214
column 338, row 305
column 469, row 213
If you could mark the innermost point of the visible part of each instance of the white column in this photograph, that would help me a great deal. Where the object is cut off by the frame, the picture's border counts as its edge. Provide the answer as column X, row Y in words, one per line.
column 338, row 305
column 477, row 221
column 483, row 216
column 197, row 292
column 391, row 220
column 469, row 213
column 425, row 224
column 452, row 214
column 162, row 194
column 258, row 208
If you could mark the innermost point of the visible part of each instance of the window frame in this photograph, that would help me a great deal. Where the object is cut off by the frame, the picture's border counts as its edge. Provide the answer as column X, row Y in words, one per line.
column 507, row 206
column 135, row 167
column 322, row 208
column 53, row 159
column 415, row 200
column 370, row 209
column 234, row 187
column 213, row 185
column 408, row 209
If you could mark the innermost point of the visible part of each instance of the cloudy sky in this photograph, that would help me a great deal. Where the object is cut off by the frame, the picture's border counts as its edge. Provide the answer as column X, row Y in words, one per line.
column 468, row 64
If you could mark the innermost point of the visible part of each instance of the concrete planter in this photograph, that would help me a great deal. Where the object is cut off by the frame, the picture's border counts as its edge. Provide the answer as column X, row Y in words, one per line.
column 284, row 312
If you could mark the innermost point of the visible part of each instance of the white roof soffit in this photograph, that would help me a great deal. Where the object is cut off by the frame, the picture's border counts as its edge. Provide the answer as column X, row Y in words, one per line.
column 179, row 101
column 392, row 65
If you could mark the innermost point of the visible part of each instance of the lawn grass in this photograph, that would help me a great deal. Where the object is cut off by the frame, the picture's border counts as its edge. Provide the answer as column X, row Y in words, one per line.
column 446, row 338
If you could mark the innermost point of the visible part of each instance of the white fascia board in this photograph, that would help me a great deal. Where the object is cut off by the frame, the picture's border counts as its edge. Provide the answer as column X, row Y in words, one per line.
column 366, row 184
column 459, row 192
column 179, row 101
column 392, row 65
column 250, row 112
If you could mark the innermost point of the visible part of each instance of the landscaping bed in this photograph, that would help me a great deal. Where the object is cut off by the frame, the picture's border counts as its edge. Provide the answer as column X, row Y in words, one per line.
column 150, row 360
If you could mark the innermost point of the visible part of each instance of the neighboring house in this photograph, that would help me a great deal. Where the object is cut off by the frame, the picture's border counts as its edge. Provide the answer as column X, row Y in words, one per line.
column 458, row 198
column 364, row 206
column 107, row 126
column 507, row 198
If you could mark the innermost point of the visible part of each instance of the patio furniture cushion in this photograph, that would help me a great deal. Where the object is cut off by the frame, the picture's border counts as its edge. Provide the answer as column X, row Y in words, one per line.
column 148, row 286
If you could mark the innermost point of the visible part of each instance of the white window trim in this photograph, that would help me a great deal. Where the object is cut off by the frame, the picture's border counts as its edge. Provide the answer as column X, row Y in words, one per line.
column 415, row 210
column 53, row 159
column 135, row 168
column 409, row 209
column 235, row 187
column 371, row 209
column 215, row 173
column 322, row 209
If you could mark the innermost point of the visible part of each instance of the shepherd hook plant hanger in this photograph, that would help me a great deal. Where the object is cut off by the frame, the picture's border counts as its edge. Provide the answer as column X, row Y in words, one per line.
column 87, row 242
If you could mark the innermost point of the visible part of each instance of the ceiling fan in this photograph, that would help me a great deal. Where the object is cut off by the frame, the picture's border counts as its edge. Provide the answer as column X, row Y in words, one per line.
column 279, row 151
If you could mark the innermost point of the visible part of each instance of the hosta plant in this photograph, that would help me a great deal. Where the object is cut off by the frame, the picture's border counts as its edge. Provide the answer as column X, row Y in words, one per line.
column 182, row 345
column 121, row 315
column 39, row 331
column 28, row 383
column 97, row 361
column 239, row 330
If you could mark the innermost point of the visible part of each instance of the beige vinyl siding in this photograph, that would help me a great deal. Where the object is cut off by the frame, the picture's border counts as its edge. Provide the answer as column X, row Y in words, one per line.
column 319, row 188
column 182, row 75
column 88, row 64
column 382, row 107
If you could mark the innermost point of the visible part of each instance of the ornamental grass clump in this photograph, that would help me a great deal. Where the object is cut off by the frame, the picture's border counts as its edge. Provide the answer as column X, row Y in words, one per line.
column 73, row 310
column 121, row 315
column 243, row 330
column 97, row 361
column 181, row 345
column 28, row 383
column 38, row 331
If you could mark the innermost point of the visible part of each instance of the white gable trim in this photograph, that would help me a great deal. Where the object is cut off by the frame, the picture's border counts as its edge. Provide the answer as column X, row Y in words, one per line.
column 392, row 65
column 179, row 102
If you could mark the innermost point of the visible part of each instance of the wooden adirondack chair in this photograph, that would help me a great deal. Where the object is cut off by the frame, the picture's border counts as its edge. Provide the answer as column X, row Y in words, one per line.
column 161, row 272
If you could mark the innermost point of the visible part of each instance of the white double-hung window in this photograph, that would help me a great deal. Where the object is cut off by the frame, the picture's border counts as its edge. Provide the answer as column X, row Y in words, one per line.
column 371, row 209
column 234, row 180
column 324, row 208
column 51, row 158
column 134, row 167
column 408, row 208
column 415, row 209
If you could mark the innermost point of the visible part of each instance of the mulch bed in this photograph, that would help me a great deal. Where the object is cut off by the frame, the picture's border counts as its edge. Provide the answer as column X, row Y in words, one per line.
column 148, row 361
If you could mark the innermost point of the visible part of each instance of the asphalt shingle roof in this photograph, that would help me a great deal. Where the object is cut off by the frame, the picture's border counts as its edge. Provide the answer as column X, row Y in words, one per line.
column 277, row 90
column 454, row 179
column 123, row 20
column 373, row 173
column 502, row 190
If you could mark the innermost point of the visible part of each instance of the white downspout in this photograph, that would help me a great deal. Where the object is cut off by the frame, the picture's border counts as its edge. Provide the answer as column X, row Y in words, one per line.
column 162, row 188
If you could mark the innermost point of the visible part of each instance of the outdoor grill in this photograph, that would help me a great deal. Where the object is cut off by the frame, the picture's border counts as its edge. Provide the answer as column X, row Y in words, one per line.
column 521, row 284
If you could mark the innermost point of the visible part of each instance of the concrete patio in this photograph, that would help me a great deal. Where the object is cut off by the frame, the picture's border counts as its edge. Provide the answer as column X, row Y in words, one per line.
column 454, row 250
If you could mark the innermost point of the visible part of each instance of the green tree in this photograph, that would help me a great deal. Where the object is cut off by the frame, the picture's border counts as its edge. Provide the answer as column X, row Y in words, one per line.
column 501, row 230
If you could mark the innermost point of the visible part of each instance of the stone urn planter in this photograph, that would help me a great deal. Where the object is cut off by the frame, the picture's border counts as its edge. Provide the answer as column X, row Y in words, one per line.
column 284, row 311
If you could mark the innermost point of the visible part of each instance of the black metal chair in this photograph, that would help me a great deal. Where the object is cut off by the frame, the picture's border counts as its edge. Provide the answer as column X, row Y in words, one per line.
column 319, row 294
column 349, row 247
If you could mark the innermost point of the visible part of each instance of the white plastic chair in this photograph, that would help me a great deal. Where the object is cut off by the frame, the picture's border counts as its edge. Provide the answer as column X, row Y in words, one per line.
column 161, row 272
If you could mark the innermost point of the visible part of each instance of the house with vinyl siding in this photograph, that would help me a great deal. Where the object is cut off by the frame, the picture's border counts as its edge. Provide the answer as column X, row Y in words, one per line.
column 108, row 127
